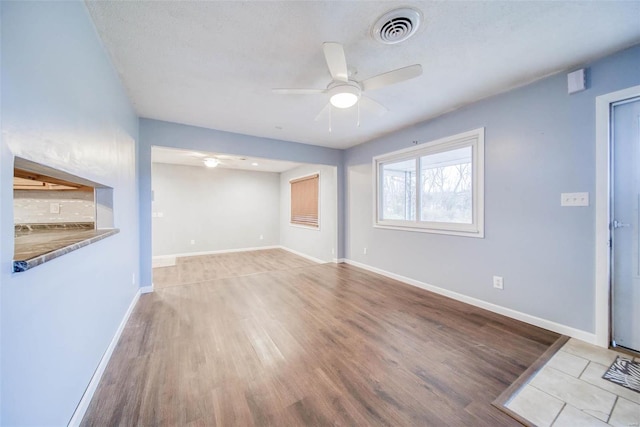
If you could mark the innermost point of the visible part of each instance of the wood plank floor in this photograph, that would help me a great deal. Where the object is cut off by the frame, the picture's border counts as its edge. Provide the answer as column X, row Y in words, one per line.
column 315, row 345
column 195, row 269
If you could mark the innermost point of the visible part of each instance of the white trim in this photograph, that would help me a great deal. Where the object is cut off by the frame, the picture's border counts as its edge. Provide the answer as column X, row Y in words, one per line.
column 223, row 251
column 78, row 414
column 473, row 139
column 602, row 267
column 533, row 320
column 306, row 227
column 303, row 255
column 308, row 175
column 146, row 289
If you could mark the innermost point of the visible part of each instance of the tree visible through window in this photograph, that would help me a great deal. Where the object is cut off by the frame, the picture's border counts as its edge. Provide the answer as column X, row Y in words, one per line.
column 447, row 186
column 436, row 186
column 304, row 200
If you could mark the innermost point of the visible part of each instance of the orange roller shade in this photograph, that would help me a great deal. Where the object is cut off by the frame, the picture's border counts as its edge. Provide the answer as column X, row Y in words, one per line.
column 304, row 200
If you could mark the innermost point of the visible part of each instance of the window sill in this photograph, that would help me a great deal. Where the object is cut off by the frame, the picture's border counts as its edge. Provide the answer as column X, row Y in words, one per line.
column 475, row 234
column 306, row 227
column 36, row 247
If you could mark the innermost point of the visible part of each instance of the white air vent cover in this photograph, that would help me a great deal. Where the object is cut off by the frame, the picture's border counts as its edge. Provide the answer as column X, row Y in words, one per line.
column 396, row 25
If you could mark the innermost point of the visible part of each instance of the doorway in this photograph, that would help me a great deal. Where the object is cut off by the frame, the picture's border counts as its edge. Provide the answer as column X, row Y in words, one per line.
column 625, row 232
column 603, row 196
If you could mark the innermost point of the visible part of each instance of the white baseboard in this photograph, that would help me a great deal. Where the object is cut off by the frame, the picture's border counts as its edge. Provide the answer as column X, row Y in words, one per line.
column 223, row 251
column 146, row 289
column 76, row 419
column 303, row 255
column 168, row 258
column 527, row 318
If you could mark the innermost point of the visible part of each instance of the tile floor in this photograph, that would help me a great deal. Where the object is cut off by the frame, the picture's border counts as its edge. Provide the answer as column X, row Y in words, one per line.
column 569, row 391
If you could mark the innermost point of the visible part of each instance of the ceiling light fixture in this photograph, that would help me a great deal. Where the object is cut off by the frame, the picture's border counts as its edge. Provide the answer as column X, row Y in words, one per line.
column 254, row 164
column 344, row 95
column 211, row 162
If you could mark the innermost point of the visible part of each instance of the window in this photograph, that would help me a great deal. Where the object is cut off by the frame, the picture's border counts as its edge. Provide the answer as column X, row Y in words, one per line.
column 304, row 200
column 435, row 187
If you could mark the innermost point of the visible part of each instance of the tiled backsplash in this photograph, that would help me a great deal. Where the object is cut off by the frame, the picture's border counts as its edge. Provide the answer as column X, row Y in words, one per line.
column 35, row 207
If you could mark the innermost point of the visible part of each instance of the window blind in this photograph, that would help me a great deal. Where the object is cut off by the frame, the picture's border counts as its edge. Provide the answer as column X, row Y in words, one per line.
column 304, row 200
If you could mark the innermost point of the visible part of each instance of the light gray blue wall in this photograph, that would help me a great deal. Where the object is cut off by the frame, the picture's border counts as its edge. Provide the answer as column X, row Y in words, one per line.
column 540, row 142
column 219, row 209
column 320, row 243
column 165, row 134
column 62, row 106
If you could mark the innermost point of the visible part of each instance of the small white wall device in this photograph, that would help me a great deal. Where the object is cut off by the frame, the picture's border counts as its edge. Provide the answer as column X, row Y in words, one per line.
column 576, row 81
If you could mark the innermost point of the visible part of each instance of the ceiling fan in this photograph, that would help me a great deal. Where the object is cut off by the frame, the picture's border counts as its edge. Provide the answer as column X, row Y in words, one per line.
column 345, row 92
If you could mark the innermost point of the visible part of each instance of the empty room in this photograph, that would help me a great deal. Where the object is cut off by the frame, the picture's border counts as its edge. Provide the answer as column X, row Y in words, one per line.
column 304, row 213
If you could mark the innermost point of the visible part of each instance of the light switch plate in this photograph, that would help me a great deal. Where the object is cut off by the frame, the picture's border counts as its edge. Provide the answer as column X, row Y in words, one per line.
column 574, row 199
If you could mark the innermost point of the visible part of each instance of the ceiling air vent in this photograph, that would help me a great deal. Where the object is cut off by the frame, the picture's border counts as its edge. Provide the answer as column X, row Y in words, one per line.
column 396, row 25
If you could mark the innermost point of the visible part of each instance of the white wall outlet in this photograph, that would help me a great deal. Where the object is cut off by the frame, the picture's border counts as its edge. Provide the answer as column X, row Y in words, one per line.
column 574, row 199
column 193, row 242
column 54, row 208
column 364, row 251
column 333, row 251
column 261, row 237
column 498, row 282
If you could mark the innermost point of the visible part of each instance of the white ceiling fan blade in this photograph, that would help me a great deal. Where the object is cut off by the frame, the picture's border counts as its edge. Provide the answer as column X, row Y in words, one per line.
column 336, row 61
column 323, row 112
column 372, row 106
column 392, row 77
column 298, row 91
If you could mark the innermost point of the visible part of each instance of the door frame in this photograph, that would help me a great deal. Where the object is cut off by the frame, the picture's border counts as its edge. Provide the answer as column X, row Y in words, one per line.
column 602, row 208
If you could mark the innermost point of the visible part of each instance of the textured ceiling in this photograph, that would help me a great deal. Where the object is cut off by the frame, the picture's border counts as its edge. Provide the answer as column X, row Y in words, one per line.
column 196, row 158
column 213, row 64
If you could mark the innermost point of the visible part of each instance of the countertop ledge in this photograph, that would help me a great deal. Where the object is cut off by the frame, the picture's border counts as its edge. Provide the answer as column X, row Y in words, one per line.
column 92, row 236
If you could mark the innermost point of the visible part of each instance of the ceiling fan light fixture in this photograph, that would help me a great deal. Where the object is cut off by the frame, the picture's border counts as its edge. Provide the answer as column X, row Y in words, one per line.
column 344, row 96
column 211, row 162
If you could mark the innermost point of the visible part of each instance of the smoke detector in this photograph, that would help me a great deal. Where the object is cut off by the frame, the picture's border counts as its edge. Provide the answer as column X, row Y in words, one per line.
column 396, row 25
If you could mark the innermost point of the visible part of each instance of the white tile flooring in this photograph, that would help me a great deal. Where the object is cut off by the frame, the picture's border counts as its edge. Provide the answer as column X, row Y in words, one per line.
column 569, row 391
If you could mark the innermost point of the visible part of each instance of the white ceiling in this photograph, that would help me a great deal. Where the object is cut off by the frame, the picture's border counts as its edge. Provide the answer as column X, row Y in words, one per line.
column 196, row 158
column 213, row 64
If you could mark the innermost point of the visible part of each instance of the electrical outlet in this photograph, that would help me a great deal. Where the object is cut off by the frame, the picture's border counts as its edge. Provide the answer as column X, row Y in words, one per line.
column 364, row 251
column 193, row 242
column 333, row 251
column 261, row 237
column 498, row 282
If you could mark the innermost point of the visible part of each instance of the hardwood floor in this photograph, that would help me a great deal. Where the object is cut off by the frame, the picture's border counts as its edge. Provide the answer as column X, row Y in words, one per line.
column 202, row 268
column 314, row 345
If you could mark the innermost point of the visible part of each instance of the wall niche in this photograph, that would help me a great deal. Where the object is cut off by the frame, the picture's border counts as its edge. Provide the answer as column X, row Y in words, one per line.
column 56, row 213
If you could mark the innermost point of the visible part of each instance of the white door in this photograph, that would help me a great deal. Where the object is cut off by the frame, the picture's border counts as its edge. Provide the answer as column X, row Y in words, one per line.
column 625, row 231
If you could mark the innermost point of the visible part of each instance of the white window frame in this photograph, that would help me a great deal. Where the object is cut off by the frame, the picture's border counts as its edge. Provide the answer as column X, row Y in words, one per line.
column 306, row 175
column 473, row 139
